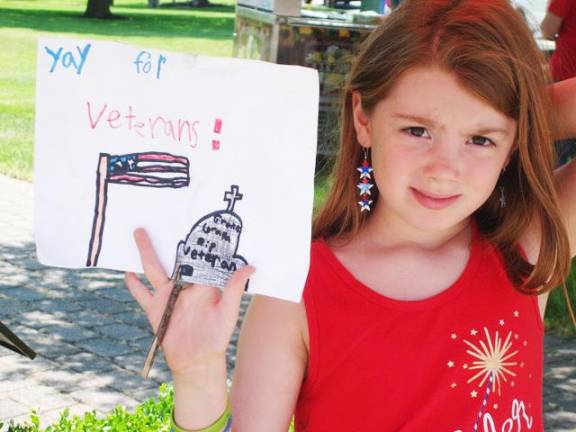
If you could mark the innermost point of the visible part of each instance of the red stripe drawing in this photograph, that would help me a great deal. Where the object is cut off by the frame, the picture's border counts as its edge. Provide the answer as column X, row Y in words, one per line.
column 150, row 169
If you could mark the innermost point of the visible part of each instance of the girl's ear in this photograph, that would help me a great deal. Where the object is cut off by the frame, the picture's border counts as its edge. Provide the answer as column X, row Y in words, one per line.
column 361, row 121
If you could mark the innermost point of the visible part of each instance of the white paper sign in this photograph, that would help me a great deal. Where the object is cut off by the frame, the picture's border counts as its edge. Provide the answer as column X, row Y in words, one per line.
column 214, row 157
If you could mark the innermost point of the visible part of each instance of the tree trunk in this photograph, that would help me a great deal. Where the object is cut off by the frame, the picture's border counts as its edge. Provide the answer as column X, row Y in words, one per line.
column 98, row 9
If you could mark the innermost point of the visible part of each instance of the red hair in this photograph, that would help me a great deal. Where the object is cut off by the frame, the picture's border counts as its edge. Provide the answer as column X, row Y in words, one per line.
column 487, row 45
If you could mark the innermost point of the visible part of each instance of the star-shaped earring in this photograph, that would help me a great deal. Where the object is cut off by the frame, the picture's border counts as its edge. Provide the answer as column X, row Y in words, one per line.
column 365, row 188
column 365, row 204
column 365, row 185
column 365, row 170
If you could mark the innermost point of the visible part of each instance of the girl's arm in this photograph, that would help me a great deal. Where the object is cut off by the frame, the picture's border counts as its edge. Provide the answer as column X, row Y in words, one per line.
column 272, row 354
column 566, row 188
column 563, row 95
column 199, row 332
column 564, row 102
column 271, row 364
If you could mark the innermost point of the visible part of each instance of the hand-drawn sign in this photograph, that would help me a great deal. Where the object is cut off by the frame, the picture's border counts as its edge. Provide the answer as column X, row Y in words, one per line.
column 105, row 111
column 208, row 255
column 150, row 169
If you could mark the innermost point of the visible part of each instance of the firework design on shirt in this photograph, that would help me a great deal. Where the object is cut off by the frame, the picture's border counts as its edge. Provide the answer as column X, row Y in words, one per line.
column 494, row 360
column 492, row 363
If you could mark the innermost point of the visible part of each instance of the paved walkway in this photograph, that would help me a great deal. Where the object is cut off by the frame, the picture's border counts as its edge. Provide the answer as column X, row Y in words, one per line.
column 91, row 337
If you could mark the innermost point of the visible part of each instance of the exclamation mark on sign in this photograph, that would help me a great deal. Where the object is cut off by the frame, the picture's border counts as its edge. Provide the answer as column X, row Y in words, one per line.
column 217, row 130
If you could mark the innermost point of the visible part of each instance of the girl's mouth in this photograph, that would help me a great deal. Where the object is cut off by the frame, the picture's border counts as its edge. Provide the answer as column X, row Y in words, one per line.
column 434, row 203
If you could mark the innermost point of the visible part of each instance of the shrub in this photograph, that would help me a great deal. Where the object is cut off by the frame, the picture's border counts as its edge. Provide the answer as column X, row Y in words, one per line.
column 152, row 415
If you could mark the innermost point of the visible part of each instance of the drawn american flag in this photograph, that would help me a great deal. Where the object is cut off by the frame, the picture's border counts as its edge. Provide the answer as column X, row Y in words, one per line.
column 151, row 169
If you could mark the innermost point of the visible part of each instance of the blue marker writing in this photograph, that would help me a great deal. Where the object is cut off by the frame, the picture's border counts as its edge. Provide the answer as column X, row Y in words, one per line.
column 55, row 57
column 68, row 59
column 143, row 63
column 161, row 61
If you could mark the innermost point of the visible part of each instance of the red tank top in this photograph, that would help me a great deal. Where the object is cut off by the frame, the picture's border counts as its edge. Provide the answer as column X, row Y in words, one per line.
column 467, row 359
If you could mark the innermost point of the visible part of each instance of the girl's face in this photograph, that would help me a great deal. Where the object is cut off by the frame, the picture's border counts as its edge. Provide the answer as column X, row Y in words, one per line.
column 437, row 150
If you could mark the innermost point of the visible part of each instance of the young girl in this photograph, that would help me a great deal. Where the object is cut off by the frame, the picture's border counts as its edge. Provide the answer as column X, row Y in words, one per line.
column 423, row 313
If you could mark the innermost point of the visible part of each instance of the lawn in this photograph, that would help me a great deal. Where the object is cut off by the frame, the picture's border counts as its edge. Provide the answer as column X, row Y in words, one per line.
column 175, row 28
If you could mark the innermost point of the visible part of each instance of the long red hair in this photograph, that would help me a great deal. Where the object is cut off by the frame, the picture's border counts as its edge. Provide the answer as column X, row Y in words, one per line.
column 489, row 47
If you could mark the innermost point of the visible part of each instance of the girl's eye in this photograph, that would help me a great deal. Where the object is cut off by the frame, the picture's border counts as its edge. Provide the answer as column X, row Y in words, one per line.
column 482, row 141
column 415, row 131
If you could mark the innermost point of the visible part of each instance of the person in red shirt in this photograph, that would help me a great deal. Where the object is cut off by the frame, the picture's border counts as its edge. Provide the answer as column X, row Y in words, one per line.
column 432, row 258
column 559, row 24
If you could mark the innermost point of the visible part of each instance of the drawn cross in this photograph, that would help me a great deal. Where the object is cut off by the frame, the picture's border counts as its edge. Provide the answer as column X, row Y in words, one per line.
column 231, row 197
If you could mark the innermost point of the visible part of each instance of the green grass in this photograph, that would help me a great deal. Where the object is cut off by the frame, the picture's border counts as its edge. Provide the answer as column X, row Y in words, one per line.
column 557, row 318
column 206, row 31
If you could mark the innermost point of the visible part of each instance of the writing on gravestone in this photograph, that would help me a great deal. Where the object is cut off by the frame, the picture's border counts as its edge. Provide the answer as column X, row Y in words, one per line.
column 209, row 254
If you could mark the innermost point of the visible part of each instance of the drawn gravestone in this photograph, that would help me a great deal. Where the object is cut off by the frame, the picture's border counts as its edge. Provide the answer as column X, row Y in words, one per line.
column 208, row 255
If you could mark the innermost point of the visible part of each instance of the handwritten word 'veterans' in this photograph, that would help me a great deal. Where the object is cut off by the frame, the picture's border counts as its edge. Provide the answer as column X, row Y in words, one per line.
column 154, row 127
column 68, row 59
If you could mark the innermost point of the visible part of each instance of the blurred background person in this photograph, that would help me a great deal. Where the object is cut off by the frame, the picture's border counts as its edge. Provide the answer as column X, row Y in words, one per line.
column 559, row 24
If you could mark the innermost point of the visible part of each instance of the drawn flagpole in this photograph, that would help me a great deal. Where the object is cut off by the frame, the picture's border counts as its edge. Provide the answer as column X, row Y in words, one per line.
column 150, row 169
column 99, row 211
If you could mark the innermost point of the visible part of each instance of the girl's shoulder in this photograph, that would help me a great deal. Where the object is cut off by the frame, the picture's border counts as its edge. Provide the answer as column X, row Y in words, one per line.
column 319, row 252
column 529, row 245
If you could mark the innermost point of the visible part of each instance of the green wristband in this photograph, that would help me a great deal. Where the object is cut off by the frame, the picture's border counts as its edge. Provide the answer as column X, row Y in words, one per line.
column 217, row 426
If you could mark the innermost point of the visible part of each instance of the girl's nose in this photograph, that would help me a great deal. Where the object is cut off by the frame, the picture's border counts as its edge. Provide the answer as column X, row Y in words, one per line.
column 443, row 161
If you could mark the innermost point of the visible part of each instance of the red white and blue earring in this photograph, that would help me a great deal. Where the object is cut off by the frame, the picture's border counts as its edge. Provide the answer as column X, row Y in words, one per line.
column 365, row 184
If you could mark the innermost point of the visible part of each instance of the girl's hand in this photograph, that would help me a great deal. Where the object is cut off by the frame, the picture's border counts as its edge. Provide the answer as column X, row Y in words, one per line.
column 203, row 319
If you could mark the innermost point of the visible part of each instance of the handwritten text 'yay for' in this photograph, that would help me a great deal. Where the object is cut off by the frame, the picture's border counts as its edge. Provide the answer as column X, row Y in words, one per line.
column 144, row 62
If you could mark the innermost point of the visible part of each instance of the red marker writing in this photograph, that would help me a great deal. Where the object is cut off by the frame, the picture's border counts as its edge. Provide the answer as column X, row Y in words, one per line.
column 217, row 130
